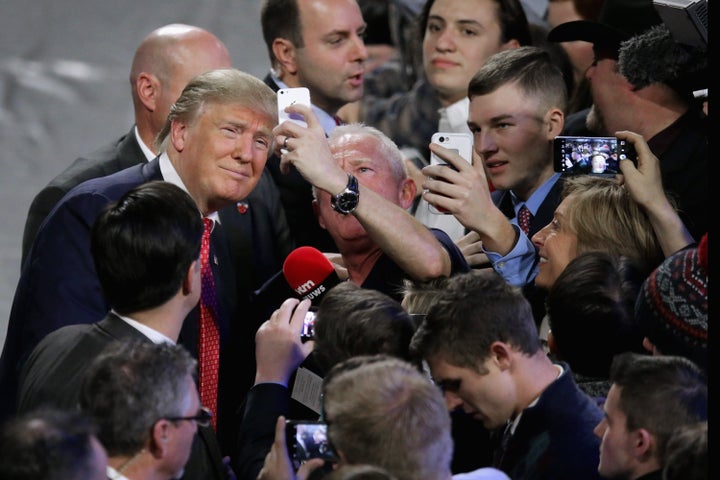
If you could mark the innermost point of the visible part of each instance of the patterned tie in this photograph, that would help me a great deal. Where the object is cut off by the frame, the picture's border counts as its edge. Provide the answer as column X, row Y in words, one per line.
column 499, row 454
column 524, row 217
column 208, row 336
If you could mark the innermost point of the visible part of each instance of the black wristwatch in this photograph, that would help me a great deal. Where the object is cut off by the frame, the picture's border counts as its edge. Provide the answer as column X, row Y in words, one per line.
column 347, row 201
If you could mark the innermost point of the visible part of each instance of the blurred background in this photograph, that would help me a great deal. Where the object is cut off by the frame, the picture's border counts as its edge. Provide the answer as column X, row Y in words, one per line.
column 64, row 69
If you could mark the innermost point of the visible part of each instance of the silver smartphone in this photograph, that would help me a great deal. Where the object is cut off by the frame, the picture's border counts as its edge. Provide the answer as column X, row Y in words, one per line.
column 292, row 96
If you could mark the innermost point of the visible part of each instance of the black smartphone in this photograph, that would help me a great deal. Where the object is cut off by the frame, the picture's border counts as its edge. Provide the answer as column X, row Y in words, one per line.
column 308, row 439
column 590, row 155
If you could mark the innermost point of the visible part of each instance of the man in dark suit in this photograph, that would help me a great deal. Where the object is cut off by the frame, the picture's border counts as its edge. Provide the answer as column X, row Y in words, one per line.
column 215, row 144
column 145, row 249
column 517, row 104
column 316, row 44
column 166, row 59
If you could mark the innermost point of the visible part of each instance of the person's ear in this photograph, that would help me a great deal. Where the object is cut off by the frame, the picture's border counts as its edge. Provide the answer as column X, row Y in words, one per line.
column 189, row 282
column 649, row 346
column 643, row 444
column 501, row 354
column 555, row 119
column 552, row 345
column 408, row 189
column 510, row 44
column 316, row 211
column 178, row 132
column 159, row 443
column 148, row 89
column 284, row 51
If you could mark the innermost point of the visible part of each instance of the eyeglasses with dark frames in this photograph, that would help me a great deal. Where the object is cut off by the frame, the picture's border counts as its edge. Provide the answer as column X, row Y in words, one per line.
column 202, row 418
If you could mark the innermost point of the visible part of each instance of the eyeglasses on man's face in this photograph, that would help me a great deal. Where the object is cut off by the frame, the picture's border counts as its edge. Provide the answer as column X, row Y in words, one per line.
column 202, row 418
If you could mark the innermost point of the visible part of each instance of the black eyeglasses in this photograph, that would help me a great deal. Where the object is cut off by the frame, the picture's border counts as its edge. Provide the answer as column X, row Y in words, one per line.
column 202, row 418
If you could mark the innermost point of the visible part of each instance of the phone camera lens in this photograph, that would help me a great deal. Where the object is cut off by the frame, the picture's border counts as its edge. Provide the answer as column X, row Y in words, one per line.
column 442, row 139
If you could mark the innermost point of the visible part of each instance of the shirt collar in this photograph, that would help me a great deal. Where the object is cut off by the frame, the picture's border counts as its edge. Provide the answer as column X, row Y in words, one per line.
column 154, row 336
column 453, row 118
column 113, row 474
column 171, row 175
column 149, row 155
column 538, row 196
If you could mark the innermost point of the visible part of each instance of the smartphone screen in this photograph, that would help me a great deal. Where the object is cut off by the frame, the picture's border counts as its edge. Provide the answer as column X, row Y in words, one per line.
column 308, row 330
column 306, row 440
column 590, row 155
column 292, row 96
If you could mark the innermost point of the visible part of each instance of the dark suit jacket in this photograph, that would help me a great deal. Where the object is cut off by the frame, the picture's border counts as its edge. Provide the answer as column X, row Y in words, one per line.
column 503, row 199
column 54, row 372
column 296, row 197
column 554, row 439
column 118, row 155
column 58, row 285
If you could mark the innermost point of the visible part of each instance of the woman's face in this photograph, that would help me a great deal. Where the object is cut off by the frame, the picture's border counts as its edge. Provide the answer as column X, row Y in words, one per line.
column 557, row 245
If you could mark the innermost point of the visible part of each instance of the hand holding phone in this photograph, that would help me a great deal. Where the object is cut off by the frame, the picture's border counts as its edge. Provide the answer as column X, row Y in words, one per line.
column 308, row 439
column 292, row 96
column 462, row 143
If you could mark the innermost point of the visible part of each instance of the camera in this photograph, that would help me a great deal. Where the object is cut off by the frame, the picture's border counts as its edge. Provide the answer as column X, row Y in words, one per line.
column 590, row 155
column 308, row 439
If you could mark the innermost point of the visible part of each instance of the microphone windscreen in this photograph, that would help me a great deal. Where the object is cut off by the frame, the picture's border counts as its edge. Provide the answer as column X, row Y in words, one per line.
column 309, row 273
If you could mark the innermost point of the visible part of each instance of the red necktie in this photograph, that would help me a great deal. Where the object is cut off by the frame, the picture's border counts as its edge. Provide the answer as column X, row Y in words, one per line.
column 338, row 120
column 524, row 216
column 208, row 336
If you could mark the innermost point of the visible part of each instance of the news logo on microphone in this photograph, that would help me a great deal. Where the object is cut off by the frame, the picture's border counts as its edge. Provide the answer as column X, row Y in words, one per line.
column 309, row 273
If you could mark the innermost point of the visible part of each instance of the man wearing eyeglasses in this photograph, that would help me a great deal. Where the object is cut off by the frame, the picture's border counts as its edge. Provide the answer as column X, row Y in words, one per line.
column 143, row 398
column 146, row 252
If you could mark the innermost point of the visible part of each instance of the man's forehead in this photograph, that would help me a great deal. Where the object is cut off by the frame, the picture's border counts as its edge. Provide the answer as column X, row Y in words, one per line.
column 320, row 15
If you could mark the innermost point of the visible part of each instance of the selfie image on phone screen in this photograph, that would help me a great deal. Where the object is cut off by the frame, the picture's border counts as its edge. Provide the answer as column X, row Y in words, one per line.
column 590, row 155
column 306, row 440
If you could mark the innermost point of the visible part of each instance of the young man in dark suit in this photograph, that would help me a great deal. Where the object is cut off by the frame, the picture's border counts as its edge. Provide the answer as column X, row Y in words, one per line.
column 517, row 103
column 145, row 249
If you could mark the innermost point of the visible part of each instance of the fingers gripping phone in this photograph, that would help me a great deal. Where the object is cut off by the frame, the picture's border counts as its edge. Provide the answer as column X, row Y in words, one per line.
column 308, row 439
column 462, row 143
column 292, row 96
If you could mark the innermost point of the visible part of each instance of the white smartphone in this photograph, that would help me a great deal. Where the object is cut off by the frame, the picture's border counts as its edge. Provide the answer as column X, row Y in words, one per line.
column 462, row 143
column 292, row 96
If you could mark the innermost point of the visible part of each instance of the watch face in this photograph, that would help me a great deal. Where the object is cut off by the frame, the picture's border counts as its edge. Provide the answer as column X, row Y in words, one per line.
column 347, row 201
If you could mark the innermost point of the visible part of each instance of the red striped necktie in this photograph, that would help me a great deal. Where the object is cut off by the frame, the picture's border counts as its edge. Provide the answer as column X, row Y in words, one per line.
column 208, row 335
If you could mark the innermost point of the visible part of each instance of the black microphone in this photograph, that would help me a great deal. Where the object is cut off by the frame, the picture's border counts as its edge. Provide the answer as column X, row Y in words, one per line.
column 309, row 273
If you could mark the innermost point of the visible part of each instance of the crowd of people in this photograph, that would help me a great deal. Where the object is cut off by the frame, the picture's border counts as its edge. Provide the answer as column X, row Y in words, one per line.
column 547, row 325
